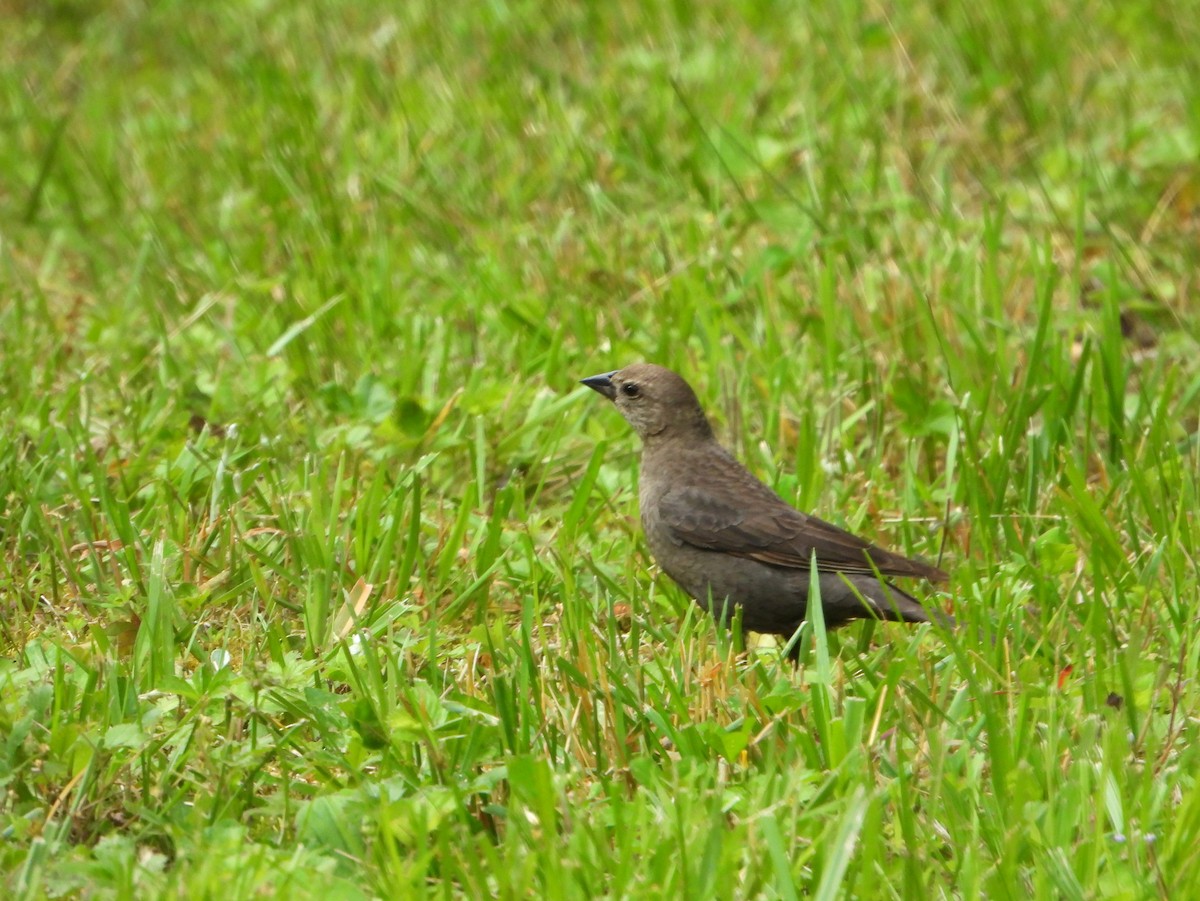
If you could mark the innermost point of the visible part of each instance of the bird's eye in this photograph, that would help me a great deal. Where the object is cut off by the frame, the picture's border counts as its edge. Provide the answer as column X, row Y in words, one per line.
column 631, row 389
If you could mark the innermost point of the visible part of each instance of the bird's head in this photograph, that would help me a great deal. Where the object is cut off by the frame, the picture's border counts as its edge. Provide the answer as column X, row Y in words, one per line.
column 657, row 402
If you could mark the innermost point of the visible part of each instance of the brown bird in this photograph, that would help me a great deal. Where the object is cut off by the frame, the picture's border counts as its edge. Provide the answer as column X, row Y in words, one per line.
column 725, row 536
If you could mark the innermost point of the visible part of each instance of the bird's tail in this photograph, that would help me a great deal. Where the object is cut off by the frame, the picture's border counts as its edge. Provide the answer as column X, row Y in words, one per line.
column 895, row 605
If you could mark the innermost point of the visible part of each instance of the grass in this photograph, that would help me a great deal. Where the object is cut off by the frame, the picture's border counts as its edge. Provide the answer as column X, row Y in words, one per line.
column 321, row 575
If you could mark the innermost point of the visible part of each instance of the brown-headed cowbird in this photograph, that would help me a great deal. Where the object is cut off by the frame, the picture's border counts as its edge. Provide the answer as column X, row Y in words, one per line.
column 725, row 536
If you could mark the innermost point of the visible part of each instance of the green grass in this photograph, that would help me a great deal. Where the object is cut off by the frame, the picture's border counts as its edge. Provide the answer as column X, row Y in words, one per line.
column 321, row 575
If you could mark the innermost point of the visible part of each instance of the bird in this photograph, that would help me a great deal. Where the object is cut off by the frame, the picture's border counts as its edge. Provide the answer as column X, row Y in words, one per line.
column 727, row 539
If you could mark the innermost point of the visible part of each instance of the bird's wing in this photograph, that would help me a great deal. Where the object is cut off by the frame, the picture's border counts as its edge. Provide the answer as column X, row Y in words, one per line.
column 746, row 519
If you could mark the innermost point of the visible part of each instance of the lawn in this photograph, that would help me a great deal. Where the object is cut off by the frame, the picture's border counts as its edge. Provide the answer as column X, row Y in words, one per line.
column 321, row 575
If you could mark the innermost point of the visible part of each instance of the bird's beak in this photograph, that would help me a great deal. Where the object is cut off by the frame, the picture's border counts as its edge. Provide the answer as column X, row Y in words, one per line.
column 602, row 383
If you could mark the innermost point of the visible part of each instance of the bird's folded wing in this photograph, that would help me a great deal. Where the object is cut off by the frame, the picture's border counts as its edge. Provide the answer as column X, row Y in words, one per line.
column 766, row 529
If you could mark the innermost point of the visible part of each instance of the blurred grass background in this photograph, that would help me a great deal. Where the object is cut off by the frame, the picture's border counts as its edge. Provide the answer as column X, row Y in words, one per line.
column 322, row 577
